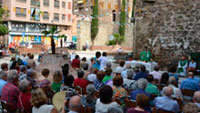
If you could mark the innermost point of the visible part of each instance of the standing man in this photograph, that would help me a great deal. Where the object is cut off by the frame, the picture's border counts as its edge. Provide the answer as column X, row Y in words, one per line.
column 145, row 55
column 182, row 66
column 104, row 61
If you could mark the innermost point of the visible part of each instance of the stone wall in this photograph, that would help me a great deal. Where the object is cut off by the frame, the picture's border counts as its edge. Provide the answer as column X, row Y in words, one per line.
column 106, row 29
column 168, row 27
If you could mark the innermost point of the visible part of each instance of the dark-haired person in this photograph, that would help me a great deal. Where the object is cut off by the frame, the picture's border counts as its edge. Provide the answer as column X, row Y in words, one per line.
column 4, row 67
column 142, row 102
column 151, row 88
column 106, row 100
column 98, row 84
column 164, row 79
column 76, row 62
column 80, row 81
column 83, row 61
column 141, row 74
column 103, row 60
column 96, row 60
column 156, row 74
column 172, row 72
column 145, row 55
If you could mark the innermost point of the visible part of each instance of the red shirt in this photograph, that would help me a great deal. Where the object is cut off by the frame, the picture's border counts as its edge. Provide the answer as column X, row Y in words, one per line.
column 80, row 82
column 25, row 102
column 10, row 94
column 76, row 63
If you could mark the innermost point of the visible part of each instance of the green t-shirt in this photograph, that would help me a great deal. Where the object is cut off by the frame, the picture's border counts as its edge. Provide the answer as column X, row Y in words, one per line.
column 56, row 86
column 152, row 89
column 106, row 78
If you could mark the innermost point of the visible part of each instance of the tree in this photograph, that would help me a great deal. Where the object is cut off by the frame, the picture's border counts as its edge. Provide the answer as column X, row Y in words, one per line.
column 94, row 23
column 53, row 30
column 122, row 19
column 3, row 29
column 61, row 41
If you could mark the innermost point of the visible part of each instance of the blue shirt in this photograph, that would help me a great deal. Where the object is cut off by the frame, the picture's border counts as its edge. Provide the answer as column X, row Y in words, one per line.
column 166, row 103
column 140, row 75
column 173, row 75
column 190, row 83
column 2, row 84
column 98, row 84
column 97, row 63
column 138, row 91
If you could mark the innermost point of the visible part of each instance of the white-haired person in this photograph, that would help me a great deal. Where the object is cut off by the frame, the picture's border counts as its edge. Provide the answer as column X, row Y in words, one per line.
column 24, row 99
column 166, row 102
column 10, row 91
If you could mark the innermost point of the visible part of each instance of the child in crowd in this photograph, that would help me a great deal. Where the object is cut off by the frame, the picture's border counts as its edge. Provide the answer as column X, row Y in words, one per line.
column 57, row 78
column 42, row 80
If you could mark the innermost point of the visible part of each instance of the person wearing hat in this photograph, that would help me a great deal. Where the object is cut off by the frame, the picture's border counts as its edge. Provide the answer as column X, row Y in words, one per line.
column 89, row 100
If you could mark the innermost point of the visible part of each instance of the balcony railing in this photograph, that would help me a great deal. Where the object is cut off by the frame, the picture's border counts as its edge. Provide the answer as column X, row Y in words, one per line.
column 20, row 14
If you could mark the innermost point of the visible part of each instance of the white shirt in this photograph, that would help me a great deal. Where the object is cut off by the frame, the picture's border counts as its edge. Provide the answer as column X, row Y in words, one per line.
column 177, row 92
column 103, row 108
column 104, row 61
column 156, row 75
column 43, row 109
column 192, row 64
column 92, row 77
column 130, row 84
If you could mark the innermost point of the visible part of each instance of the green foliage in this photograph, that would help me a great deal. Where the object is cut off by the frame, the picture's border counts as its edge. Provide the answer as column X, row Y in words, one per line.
column 122, row 19
column 117, row 40
column 3, row 29
column 94, row 23
column 133, row 9
column 53, row 30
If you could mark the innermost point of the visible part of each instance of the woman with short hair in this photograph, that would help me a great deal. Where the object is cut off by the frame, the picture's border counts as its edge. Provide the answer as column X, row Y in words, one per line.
column 24, row 98
column 39, row 100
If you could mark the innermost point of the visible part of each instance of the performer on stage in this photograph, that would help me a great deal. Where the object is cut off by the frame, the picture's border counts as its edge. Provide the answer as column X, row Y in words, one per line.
column 182, row 66
column 145, row 55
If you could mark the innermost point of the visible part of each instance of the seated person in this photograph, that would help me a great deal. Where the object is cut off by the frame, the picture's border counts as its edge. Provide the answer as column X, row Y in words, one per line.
column 177, row 91
column 80, row 81
column 142, row 84
column 166, row 102
column 93, row 76
column 98, row 84
column 57, row 81
column 156, row 74
column 43, row 81
column 89, row 100
column 151, row 88
column 10, row 91
column 190, row 108
column 190, row 83
column 141, row 74
column 76, row 62
column 107, row 75
column 196, row 98
column 142, row 102
column 106, row 100
column 129, row 83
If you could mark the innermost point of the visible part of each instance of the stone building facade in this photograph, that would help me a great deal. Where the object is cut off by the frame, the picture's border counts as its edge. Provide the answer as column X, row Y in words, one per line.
column 168, row 27
column 106, row 29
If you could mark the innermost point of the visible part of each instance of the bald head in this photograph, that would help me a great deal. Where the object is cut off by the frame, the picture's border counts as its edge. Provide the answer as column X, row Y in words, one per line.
column 75, row 103
column 191, row 75
column 168, row 91
column 196, row 97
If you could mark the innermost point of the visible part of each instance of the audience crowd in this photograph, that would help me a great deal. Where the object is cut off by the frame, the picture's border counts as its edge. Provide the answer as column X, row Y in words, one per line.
column 98, row 88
